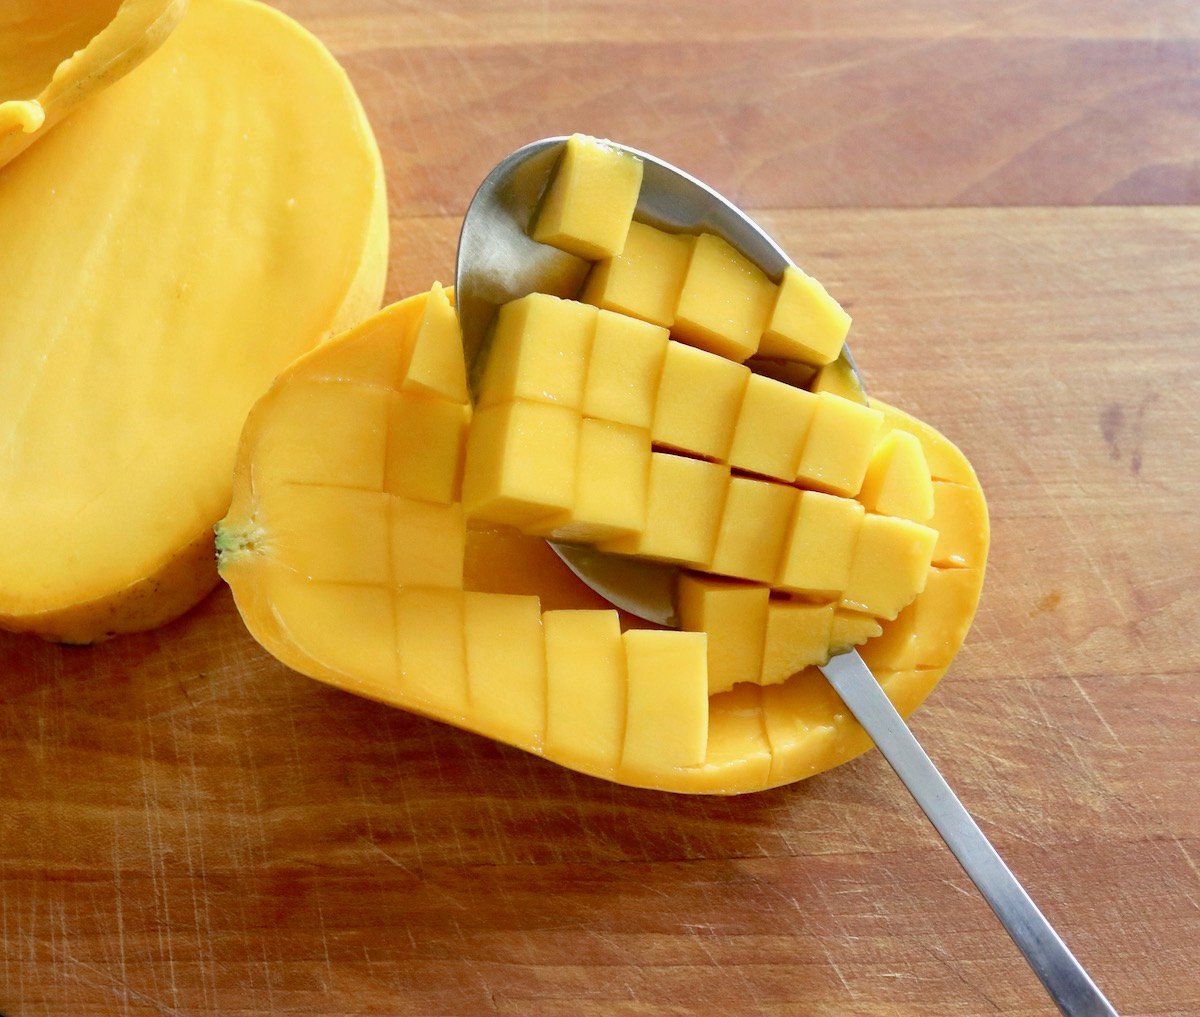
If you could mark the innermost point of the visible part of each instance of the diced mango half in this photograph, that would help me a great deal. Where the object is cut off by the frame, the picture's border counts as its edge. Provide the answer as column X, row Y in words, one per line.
column 589, row 204
column 387, row 574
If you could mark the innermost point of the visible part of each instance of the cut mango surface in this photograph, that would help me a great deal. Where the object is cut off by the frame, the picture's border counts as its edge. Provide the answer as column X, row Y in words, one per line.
column 166, row 251
column 521, row 650
column 685, row 409
column 56, row 54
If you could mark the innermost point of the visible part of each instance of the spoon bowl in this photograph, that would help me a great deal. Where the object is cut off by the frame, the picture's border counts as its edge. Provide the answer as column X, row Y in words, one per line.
column 499, row 262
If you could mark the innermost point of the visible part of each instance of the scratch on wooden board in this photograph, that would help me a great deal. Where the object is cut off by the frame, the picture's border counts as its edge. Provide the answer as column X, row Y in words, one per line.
column 124, row 991
column 197, row 879
column 954, row 886
column 956, row 971
column 119, row 903
column 1099, row 716
column 1186, row 857
column 834, row 966
column 389, row 857
column 152, row 819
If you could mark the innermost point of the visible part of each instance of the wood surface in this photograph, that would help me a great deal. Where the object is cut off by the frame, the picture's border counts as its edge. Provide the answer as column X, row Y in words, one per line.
column 1003, row 196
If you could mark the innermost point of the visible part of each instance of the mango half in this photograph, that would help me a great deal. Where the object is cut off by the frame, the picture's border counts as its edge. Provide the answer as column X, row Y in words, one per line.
column 164, row 253
column 351, row 560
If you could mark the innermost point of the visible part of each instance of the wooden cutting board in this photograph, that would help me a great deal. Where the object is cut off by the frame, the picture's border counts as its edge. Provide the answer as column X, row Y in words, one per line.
column 1001, row 195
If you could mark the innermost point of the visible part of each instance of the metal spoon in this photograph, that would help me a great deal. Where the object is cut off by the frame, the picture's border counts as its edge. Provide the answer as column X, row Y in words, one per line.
column 498, row 262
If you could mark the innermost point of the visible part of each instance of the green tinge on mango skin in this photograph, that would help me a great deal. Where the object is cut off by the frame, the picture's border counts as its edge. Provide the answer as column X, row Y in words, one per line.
column 237, row 541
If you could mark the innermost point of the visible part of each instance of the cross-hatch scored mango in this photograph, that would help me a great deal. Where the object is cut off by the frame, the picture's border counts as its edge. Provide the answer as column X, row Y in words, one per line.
column 372, row 503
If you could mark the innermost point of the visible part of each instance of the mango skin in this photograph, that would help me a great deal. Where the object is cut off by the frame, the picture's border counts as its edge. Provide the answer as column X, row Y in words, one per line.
column 757, row 738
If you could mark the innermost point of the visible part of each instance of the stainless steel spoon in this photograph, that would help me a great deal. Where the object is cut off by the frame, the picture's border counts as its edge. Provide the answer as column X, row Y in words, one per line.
column 498, row 262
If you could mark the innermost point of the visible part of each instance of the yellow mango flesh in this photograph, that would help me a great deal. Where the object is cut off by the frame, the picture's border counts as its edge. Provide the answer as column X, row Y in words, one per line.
column 598, row 704
column 589, row 205
column 166, row 251
column 56, row 54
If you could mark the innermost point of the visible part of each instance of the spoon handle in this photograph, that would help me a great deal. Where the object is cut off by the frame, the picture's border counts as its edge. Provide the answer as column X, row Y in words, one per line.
column 1063, row 976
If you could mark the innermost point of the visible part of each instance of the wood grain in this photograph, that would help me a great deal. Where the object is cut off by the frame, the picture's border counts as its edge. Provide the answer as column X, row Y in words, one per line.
column 188, row 828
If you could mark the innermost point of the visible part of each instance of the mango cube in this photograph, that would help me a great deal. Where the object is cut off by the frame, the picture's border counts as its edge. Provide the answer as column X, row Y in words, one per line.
column 325, row 433
column 589, row 204
column 333, row 534
column 612, row 478
column 755, row 526
column 432, row 650
column 725, row 302
column 506, row 666
column 890, row 567
column 683, row 512
column 666, row 721
column 625, row 369
column 521, row 463
column 819, row 550
column 960, row 518
column 735, row 617
column 768, row 438
column 797, row 637
column 585, row 685
column 838, row 446
column 944, row 610
column 698, row 402
column 539, row 352
column 436, row 365
column 897, row 481
column 425, row 442
column 428, row 543
column 806, row 323
column 851, row 628
column 929, row 631
column 896, row 647
column 645, row 279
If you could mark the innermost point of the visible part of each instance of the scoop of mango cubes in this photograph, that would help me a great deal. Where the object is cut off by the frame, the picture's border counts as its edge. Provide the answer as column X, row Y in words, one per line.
column 388, row 535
